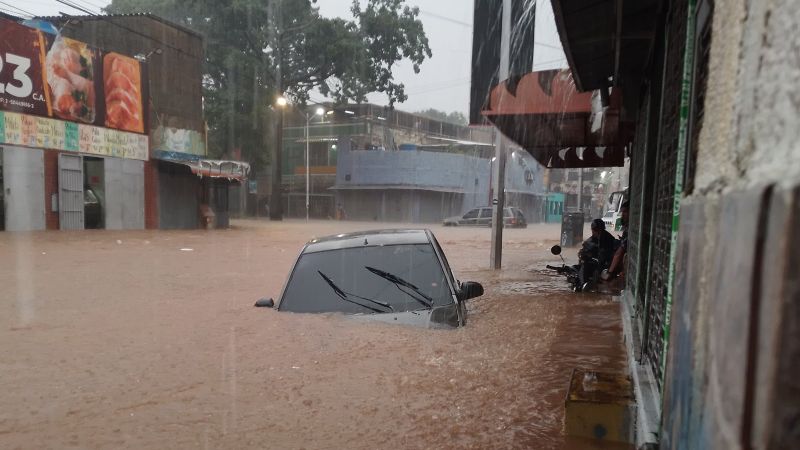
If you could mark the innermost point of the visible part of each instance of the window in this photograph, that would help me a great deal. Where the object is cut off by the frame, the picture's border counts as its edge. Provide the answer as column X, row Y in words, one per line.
column 472, row 214
column 486, row 212
column 356, row 274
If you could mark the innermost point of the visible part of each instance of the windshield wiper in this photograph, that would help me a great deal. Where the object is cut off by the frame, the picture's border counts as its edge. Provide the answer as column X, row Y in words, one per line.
column 346, row 296
column 427, row 302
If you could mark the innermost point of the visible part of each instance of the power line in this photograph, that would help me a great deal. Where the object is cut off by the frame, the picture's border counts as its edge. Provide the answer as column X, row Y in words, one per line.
column 90, row 5
column 99, row 7
column 446, row 19
column 12, row 13
column 18, row 9
column 425, row 91
column 131, row 30
column 545, row 44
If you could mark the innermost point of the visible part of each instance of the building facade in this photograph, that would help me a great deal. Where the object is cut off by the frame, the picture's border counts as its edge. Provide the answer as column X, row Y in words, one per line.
column 67, row 145
column 380, row 164
column 134, row 155
column 184, row 185
column 706, row 112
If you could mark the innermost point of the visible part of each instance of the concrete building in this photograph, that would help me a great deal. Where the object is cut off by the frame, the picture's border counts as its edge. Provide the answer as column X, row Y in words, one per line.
column 68, row 160
column 387, row 165
column 706, row 111
column 182, row 185
column 120, row 142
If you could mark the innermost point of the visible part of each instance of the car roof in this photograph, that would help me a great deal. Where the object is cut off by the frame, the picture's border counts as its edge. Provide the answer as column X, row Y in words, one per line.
column 368, row 238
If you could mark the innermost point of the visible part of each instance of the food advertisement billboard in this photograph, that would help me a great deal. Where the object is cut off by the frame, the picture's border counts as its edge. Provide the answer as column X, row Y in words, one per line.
column 55, row 76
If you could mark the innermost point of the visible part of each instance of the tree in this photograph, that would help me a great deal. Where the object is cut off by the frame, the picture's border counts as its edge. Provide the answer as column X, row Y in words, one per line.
column 259, row 49
column 455, row 117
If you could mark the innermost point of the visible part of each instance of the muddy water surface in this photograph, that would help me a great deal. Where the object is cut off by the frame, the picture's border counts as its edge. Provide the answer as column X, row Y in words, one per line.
column 149, row 340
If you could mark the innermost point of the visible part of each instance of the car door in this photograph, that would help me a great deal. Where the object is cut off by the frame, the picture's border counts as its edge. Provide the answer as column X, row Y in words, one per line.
column 451, row 279
column 470, row 217
column 485, row 219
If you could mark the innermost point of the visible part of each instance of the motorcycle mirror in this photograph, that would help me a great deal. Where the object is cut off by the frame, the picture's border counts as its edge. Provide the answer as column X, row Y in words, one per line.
column 556, row 249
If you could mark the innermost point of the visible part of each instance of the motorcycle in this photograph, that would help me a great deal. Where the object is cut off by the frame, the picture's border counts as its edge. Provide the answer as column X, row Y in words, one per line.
column 581, row 277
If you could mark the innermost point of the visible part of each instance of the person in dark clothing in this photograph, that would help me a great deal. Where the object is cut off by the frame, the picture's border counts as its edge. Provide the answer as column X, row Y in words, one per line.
column 617, row 265
column 596, row 252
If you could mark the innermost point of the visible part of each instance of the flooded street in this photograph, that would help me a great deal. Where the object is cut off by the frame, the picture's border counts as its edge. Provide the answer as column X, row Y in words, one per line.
column 149, row 339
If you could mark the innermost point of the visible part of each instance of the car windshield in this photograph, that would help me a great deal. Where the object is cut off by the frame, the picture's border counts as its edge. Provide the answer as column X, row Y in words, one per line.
column 392, row 278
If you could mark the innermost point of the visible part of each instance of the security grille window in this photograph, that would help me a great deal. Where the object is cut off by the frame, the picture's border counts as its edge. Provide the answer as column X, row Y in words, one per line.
column 699, row 85
column 664, row 194
column 637, row 172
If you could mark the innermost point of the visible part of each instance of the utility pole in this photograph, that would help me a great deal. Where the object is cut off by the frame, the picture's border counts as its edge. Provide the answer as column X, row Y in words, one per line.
column 498, row 202
column 275, row 200
column 308, row 165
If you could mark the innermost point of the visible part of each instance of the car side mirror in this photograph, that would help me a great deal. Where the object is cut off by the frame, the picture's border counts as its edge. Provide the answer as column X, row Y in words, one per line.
column 470, row 289
column 265, row 303
column 556, row 250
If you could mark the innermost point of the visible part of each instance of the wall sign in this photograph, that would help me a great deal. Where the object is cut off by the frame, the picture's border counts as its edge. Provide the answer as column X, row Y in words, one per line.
column 32, row 131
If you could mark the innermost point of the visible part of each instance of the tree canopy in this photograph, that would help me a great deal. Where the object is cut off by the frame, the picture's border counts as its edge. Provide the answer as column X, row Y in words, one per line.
column 455, row 117
column 259, row 49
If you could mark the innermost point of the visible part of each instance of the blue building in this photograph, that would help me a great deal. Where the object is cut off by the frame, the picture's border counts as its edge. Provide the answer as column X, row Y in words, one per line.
column 391, row 166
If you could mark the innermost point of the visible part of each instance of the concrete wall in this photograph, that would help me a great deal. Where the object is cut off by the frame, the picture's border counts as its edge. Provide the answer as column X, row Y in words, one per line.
column 412, row 168
column 735, row 343
column 465, row 180
column 400, row 205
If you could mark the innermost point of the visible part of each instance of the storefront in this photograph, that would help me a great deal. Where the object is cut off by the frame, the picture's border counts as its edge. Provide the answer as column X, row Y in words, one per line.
column 195, row 192
column 72, row 134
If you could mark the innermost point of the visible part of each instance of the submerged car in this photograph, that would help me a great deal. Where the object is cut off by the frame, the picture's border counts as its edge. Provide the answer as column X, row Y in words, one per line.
column 399, row 276
column 482, row 217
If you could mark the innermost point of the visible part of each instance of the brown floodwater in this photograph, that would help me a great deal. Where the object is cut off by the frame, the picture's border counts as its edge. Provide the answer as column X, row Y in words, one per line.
column 148, row 339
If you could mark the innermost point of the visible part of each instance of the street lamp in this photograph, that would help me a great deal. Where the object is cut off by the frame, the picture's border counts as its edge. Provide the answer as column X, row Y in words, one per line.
column 318, row 112
column 275, row 203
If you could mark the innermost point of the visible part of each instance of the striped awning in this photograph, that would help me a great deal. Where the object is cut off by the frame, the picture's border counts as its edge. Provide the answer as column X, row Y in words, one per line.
column 212, row 168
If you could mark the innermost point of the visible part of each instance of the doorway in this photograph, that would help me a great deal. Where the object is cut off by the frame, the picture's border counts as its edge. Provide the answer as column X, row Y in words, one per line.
column 94, row 195
column 22, row 171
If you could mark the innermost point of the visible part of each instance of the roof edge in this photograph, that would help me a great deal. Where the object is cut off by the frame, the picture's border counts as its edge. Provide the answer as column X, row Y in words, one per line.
column 148, row 15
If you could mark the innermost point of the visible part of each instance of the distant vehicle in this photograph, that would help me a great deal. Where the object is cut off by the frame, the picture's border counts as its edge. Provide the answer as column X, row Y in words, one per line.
column 396, row 276
column 482, row 217
column 612, row 215
column 92, row 209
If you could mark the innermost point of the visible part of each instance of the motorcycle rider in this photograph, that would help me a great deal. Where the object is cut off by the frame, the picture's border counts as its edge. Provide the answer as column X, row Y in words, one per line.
column 596, row 253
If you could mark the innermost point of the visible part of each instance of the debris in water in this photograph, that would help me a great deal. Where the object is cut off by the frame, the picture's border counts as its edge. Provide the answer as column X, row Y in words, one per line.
column 187, row 249
column 119, row 241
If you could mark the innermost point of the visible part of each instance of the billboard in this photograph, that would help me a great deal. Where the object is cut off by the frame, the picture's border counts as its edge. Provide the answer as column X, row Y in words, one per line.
column 55, row 76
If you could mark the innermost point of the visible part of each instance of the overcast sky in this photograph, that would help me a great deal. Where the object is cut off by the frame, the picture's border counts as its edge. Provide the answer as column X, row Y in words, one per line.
column 443, row 82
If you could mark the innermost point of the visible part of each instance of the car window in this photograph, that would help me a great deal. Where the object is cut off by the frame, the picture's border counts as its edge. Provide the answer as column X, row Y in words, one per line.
column 519, row 214
column 508, row 213
column 356, row 274
column 471, row 214
column 486, row 212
